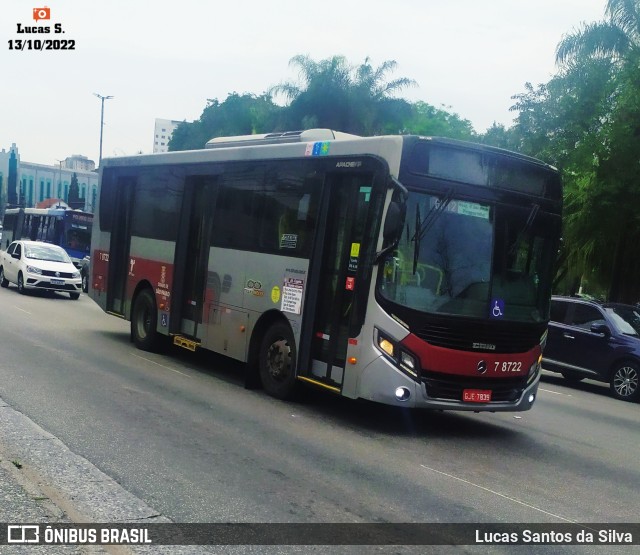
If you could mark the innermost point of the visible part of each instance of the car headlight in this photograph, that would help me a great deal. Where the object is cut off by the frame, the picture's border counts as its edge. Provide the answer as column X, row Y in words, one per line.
column 34, row 270
column 75, row 275
column 402, row 358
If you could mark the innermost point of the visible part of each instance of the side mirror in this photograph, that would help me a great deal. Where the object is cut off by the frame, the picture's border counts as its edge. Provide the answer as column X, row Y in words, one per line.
column 15, row 255
column 393, row 222
column 601, row 329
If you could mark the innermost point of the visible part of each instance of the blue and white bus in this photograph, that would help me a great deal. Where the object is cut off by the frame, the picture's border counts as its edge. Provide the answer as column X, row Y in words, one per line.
column 69, row 229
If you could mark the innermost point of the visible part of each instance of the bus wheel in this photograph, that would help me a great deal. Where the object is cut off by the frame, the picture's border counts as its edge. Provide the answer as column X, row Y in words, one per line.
column 144, row 320
column 277, row 361
column 21, row 288
column 4, row 282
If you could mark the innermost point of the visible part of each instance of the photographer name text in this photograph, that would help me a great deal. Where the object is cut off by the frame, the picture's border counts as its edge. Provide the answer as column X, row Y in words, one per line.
column 27, row 40
column 602, row 537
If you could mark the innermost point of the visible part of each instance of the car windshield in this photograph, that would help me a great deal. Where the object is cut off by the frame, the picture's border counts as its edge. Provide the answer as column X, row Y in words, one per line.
column 46, row 252
column 627, row 318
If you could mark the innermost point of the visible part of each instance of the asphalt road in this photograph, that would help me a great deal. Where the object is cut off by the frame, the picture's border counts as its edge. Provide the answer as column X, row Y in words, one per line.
column 180, row 432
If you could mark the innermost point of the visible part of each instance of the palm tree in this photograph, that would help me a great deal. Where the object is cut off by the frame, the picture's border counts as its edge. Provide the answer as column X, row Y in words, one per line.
column 321, row 100
column 374, row 98
column 334, row 94
column 600, row 205
column 615, row 38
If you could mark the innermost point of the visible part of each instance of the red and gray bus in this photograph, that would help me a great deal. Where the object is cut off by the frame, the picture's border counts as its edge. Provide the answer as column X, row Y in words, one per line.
column 406, row 270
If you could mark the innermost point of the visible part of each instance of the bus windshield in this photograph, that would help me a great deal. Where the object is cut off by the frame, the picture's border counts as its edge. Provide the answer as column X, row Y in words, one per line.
column 472, row 259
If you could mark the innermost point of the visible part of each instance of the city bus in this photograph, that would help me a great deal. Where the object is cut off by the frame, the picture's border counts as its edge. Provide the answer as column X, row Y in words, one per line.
column 69, row 229
column 406, row 270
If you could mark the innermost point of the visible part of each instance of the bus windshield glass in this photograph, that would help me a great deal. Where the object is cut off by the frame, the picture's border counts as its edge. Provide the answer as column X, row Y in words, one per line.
column 471, row 259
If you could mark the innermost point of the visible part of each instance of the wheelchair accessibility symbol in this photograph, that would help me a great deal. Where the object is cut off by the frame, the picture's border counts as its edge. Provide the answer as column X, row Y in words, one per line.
column 164, row 321
column 497, row 308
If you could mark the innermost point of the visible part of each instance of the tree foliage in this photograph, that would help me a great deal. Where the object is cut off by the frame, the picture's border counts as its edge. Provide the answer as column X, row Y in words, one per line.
column 354, row 99
column 586, row 121
column 237, row 115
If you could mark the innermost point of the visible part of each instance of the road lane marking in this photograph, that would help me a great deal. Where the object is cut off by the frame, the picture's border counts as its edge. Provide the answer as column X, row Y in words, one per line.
column 22, row 309
column 555, row 392
column 513, row 499
column 161, row 365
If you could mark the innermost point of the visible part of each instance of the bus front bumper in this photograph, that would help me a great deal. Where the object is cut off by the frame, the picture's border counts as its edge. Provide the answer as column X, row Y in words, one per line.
column 383, row 382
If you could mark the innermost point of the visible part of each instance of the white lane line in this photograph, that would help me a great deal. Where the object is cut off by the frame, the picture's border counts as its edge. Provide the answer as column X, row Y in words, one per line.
column 161, row 365
column 555, row 392
column 22, row 309
column 513, row 499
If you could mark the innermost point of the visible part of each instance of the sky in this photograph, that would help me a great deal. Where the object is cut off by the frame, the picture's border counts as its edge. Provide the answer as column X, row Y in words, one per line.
column 165, row 58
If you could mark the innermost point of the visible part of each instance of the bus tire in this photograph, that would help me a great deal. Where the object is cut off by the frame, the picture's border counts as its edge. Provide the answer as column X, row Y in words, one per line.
column 277, row 361
column 4, row 282
column 144, row 321
column 74, row 296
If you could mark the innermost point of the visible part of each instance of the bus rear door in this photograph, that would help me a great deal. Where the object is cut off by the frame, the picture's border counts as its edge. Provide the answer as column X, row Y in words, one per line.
column 192, row 256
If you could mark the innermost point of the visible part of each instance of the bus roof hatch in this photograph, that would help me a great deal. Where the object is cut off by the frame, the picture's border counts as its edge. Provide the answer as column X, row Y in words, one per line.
column 278, row 138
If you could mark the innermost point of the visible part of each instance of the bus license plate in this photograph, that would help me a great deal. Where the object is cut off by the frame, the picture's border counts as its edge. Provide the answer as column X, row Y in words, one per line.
column 476, row 395
column 57, row 282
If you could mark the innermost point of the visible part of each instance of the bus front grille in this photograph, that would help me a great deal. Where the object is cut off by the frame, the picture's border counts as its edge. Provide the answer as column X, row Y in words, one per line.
column 450, row 387
column 481, row 337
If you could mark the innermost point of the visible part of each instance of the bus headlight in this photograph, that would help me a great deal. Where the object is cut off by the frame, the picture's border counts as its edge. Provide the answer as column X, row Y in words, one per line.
column 402, row 358
column 34, row 270
column 408, row 363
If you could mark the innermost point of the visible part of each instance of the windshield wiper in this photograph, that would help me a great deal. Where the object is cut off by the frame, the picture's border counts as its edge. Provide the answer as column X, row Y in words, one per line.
column 527, row 226
column 423, row 227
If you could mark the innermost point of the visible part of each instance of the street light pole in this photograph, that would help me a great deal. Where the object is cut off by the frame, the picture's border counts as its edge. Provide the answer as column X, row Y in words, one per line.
column 102, row 99
column 59, row 180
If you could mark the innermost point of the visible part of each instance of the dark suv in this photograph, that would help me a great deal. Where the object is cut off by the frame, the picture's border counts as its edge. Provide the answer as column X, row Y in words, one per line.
column 601, row 341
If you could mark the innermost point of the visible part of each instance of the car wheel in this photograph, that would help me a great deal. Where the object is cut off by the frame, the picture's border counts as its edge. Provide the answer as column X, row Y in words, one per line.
column 144, row 321
column 4, row 282
column 21, row 288
column 277, row 361
column 85, row 282
column 74, row 296
column 572, row 378
column 624, row 381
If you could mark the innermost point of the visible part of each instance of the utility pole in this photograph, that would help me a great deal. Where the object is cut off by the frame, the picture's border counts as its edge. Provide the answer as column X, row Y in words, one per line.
column 102, row 99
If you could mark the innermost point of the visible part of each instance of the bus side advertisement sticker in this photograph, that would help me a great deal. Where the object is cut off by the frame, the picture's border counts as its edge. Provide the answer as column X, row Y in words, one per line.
column 292, row 290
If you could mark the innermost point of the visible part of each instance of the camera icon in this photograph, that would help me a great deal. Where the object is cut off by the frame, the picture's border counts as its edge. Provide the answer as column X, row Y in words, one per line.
column 41, row 13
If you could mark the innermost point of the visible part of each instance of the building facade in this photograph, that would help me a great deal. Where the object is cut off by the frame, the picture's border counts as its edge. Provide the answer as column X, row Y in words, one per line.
column 28, row 184
column 164, row 128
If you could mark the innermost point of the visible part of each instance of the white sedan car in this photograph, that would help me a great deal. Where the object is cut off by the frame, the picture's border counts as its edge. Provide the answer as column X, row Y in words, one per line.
column 36, row 265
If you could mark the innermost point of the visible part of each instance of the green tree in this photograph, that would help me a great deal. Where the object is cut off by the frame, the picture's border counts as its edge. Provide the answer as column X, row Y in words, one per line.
column 333, row 94
column 238, row 115
column 614, row 38
column 602, row 193
column 73, row 196
column 429, row 120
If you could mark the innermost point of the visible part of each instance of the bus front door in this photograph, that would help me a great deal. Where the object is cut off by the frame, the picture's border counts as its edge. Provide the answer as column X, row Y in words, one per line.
column 340, row 279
